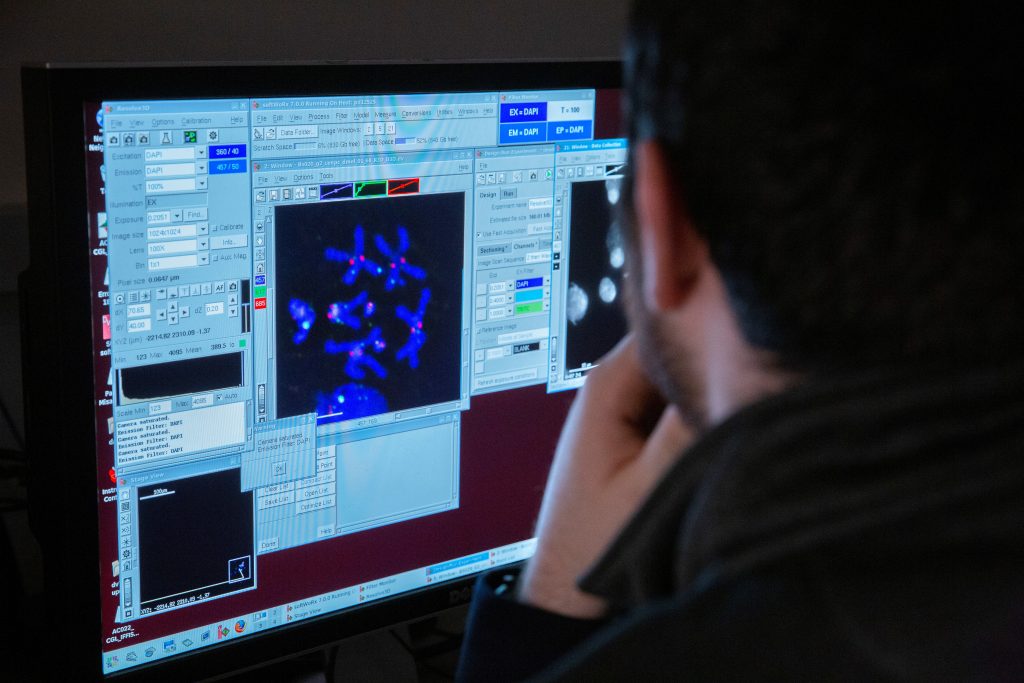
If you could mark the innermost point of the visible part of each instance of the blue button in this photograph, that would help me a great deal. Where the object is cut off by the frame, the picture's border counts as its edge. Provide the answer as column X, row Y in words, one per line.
column 516, row 133
column 227, row 151
column 523, row 112
column 530, row 282
column 570, row 130
column 230, row 166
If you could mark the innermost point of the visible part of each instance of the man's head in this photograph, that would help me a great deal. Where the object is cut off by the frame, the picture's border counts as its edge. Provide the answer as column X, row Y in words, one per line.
column 846, row 180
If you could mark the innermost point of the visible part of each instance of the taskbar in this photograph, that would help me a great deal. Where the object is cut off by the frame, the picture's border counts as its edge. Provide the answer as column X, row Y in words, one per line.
column 195, row 639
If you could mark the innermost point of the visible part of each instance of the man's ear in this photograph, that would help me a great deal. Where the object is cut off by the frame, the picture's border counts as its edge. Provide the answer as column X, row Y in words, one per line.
column 672, row 252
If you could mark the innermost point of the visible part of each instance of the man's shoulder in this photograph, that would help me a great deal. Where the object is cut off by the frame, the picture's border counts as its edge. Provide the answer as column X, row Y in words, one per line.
column 820, row 618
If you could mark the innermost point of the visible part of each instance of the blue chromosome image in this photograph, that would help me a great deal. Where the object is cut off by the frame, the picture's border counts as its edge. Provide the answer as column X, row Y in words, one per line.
column 303, row 315
column 355, row 260
column 347, row 312
column 398, row 265
column 417, row 337
column 362, row 353
column 350, row 401
column 370, row 294
column 359, row 354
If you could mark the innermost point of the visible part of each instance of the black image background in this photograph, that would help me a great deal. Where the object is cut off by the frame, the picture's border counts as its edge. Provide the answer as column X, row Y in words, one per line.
column 187, row 538
column 435, row 223
column 589, row 260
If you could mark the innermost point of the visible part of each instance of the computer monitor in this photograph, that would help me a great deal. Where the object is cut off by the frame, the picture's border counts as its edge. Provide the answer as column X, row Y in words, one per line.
column 299, row 340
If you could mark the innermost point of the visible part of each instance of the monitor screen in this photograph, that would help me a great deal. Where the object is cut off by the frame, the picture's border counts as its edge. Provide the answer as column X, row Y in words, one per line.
column 332, row 335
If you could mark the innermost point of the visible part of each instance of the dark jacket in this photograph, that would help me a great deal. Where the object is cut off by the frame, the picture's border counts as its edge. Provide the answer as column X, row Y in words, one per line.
column 861, row 528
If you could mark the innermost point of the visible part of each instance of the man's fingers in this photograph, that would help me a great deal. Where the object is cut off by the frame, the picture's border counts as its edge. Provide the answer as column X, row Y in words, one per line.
column 620, row 383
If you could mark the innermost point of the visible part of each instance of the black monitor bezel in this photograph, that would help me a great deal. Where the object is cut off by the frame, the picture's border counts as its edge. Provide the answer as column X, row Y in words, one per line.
column 58, row 364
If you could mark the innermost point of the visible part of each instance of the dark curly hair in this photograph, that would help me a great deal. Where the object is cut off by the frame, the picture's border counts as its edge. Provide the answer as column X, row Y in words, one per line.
column 854, row 167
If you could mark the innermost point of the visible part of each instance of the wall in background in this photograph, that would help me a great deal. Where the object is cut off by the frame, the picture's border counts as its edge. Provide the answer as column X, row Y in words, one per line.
column 183, row 30
column 233, row 30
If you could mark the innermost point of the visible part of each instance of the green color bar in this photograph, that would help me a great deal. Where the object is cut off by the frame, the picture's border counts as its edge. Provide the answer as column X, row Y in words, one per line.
column 260, row 291
column 371, row 188
column 535, row 307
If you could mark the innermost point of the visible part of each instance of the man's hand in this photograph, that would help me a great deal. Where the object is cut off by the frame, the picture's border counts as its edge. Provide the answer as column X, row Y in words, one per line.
column 618, row 440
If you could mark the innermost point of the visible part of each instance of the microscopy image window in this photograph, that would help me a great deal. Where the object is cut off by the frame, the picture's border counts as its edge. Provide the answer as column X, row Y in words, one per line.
column 195, row 540
column 593, row 305
column 369, row 304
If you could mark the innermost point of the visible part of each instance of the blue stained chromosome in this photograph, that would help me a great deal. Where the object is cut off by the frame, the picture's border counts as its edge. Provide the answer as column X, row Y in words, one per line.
column 362, row 356
column 350, row 401
column 356, row 259
column 359, row 354
column 398, row 265
column 341, row 312
column 417, row 337
column 304, row 316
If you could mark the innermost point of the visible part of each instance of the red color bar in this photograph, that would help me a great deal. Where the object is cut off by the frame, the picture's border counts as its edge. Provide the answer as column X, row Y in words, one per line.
column 404, row 186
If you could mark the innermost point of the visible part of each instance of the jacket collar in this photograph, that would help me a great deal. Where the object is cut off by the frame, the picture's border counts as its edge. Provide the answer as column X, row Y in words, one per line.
column 875, row 464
